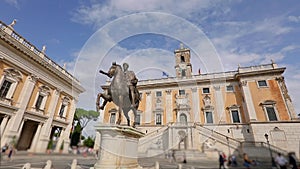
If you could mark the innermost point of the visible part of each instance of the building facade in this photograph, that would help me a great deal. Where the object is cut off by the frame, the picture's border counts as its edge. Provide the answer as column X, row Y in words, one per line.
column 228, row 111
column 37, row 96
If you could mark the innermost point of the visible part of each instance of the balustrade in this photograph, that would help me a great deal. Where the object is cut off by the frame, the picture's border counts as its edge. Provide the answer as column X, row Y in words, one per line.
column 35, row 50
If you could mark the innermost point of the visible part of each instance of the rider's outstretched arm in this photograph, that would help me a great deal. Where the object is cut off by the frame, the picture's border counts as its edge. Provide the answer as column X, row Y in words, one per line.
column 102, row 72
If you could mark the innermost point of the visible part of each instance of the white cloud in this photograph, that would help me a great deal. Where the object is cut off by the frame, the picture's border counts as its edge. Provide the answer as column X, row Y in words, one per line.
column 245, row 42
column 289, row 48
column 13, row 3
column 231, row 60
column 272, row 25
column 102, row 49
column 100, row 13
column 295, row 19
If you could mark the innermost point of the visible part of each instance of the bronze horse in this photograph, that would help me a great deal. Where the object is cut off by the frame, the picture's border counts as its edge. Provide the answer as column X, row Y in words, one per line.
column 118, row 93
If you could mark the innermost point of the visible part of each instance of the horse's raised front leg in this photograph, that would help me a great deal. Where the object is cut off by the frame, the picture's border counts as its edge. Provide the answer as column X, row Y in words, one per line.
column 106, row 99
column 98, row 102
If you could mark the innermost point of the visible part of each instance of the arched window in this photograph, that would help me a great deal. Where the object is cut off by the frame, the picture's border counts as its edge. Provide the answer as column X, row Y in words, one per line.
column 182, row 59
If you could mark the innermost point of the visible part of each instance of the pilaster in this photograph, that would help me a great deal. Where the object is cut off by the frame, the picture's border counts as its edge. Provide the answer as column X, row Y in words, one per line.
column 169, row 112
column 286, row 97
column 46, row 128
column 3, row 124
column 248, row 101
column 219, row 104
column 148, row 112
column 35, row 142
column 196, row 107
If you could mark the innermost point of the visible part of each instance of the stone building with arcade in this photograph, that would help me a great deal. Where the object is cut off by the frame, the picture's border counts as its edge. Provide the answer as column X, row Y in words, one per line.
column 37, row 96
column 236, row 112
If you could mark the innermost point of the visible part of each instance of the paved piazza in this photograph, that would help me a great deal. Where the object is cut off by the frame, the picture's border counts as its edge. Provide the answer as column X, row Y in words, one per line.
column 60, row 161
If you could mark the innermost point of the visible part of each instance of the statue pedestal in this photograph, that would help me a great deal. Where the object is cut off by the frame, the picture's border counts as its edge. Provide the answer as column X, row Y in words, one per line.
column 118, row 148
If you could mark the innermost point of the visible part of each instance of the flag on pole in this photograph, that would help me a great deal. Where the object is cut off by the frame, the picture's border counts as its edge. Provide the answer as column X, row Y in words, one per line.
column 165, row 74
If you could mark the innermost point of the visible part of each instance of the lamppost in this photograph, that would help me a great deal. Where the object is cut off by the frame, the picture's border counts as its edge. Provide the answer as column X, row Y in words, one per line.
column 272, row 160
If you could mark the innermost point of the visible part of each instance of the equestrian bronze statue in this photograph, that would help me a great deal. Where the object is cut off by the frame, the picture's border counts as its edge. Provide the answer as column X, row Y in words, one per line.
column 122, row 92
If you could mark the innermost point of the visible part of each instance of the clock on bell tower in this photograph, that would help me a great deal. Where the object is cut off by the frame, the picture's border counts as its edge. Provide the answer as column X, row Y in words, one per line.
column 183, row 64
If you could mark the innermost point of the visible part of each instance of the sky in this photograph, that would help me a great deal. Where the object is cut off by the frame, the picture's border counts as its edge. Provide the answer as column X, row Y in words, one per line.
column 88, row 35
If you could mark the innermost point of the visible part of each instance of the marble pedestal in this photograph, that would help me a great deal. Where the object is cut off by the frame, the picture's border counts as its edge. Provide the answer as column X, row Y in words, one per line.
column 118, row 147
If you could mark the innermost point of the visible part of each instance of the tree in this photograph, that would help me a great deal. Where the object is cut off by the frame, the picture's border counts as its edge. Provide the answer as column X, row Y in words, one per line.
column 82, row 118
column 89, row 142
column 85, row 116
column 75, row 137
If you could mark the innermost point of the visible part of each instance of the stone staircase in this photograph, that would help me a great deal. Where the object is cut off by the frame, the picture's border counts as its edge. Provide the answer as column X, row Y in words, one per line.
column 253, row 149
column 188, row 155
column 153, row 145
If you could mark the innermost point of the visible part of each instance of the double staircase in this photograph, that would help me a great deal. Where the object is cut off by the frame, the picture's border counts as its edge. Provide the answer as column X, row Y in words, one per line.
column 156, row 144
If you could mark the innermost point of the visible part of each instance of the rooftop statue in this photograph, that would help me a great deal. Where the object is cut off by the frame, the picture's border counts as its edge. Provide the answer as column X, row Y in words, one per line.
column 122, row 92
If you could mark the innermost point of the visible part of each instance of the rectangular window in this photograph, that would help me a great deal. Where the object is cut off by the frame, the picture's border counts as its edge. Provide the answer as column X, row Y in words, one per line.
column 209, row 117
column 158, row 94
column 205, row 90
column 5, row 88
column 158, row 119
column 262, row 83
column 138, row 119
column 39, row 102
column 229, row 88
column 183, row 73
column 112, row 118
column 181, row 92
column 235, row 116
column 62, row 110
column 271, row 113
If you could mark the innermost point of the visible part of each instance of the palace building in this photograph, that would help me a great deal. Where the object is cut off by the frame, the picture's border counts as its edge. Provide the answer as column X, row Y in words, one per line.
column 235, row 112
column 37, row 96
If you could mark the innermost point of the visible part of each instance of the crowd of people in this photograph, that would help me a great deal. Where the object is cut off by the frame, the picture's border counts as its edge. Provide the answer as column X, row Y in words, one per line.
column 279, row 162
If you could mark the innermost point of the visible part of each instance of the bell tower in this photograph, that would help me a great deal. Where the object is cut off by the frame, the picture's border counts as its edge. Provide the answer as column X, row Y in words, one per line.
column 183, row 64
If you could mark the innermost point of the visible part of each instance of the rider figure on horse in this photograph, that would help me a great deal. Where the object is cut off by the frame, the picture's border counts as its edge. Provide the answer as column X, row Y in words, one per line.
column 131, row 82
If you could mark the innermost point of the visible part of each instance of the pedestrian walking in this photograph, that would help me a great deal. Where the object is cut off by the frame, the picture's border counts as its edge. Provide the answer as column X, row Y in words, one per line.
column 11, row 151
column 292, row 160
column 221, row 160
column 233, row 160
column 281, row 161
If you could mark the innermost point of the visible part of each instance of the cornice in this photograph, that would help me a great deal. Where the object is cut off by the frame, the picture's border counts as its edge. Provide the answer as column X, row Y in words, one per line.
column 44, row 76
column 261, row 72
column 40, row 60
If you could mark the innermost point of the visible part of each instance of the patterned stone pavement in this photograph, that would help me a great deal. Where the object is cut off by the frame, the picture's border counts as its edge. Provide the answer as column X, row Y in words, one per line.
column 62, row 161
